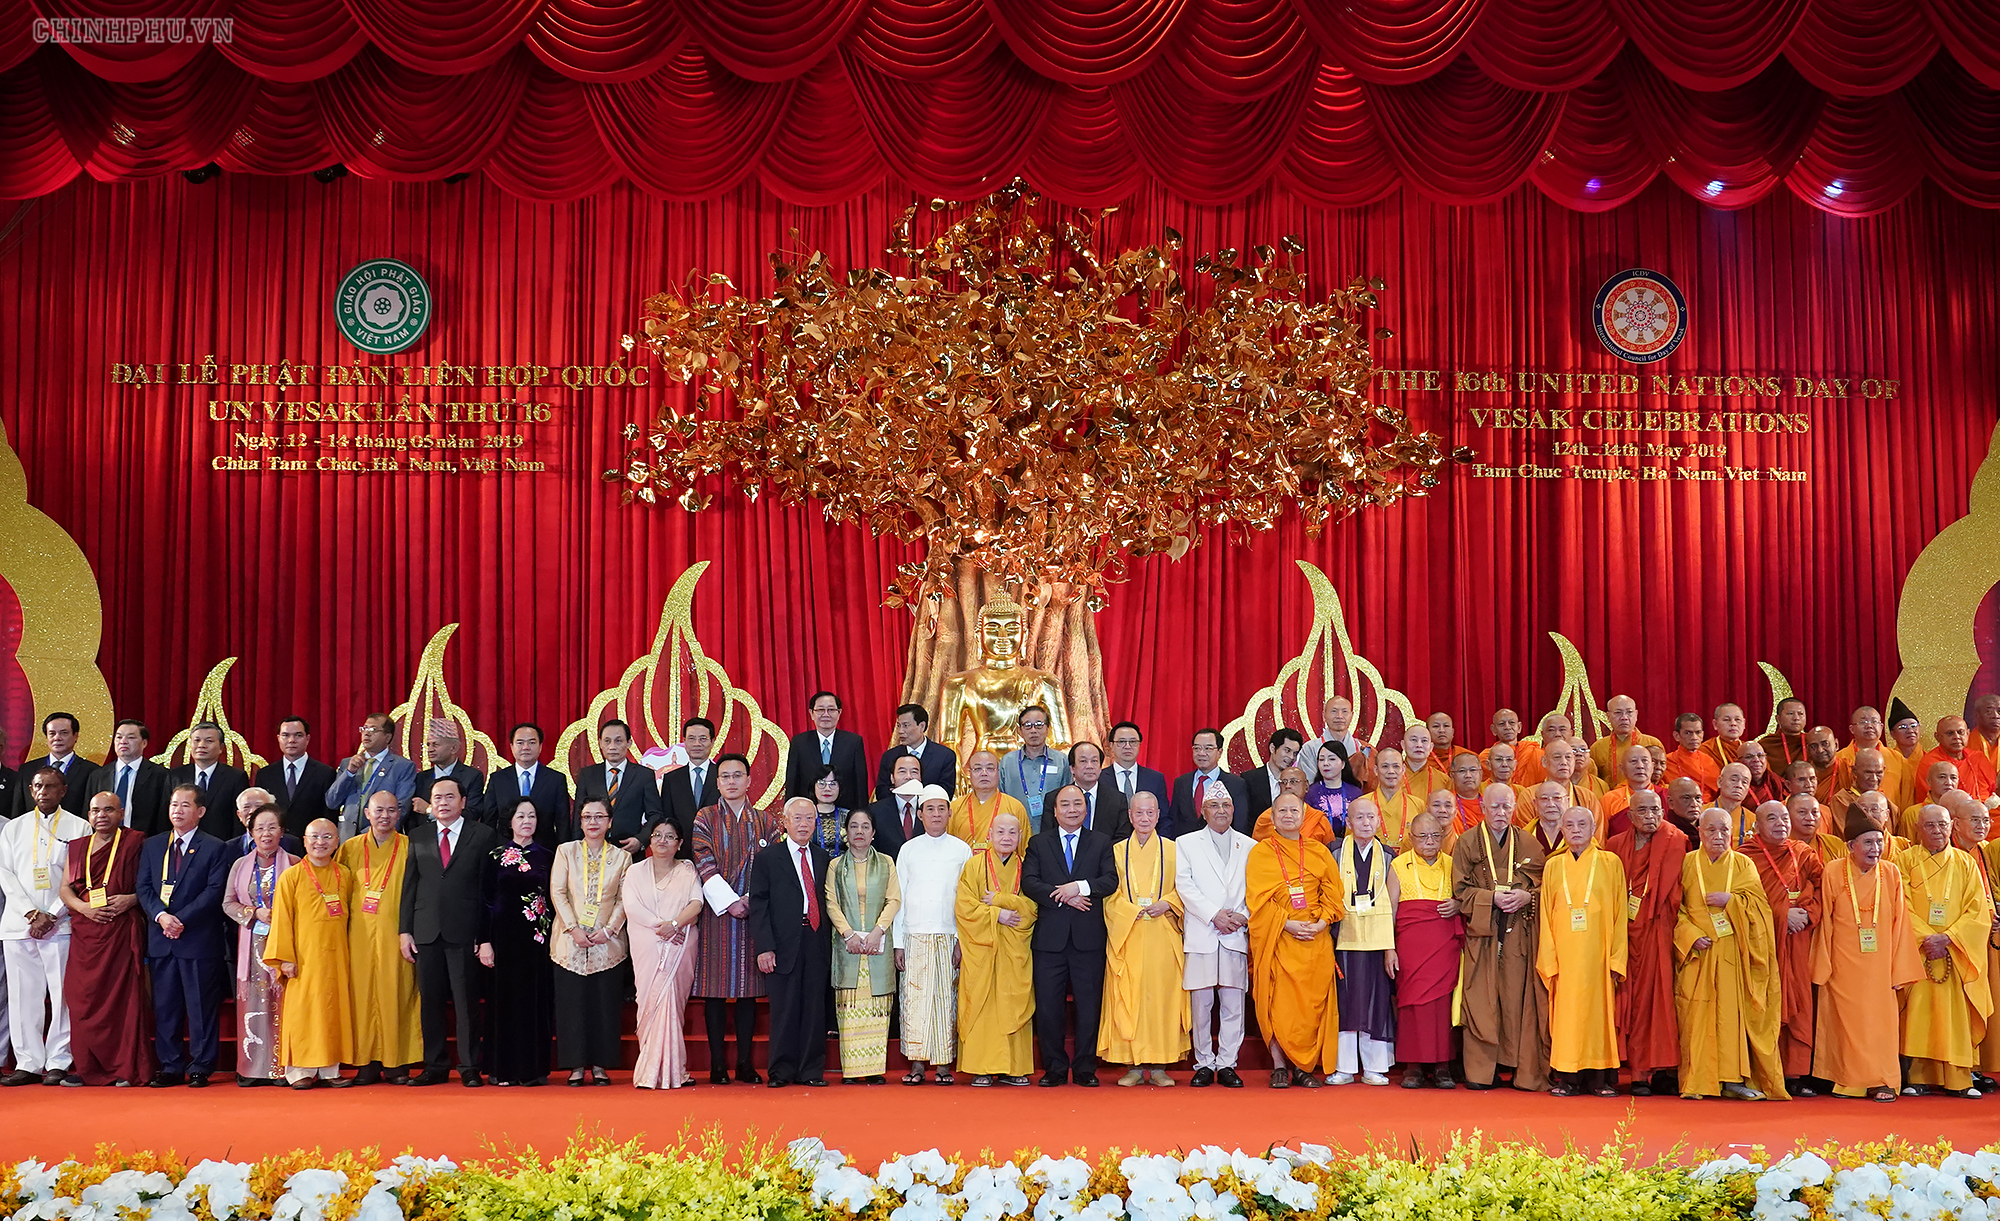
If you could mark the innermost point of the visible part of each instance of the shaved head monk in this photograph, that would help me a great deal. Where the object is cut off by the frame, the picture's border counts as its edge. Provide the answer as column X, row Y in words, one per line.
column 1865, row 955
column 1971, row 831
column 1940, row 779
column 1945, row 1012
column 1635, row 775
column 1608, row 751
column 1559, row 763
column 1729, row 995
column 1393, row 796
column 1444, row 736
column 1546, row 813
column 1688, row 759
column 1765, row 784
column 1866, row 775
column 1684, row 806
column 1790, row 872
column 1821, row 750
column 1808, row 828
column 1732, row 797
column 1506, row 731
column 1466, row 781
column 1975, row 770
column 1727, row 743
column 1787, row 743
column 1985, row 736
column 1800, row 777
column 1582, row 957
column 1865, row 729
column 1495, row 875
column 1418, row 775
column 1501, row 767
column 1650, row 849
column 1555, row 727
column 1430, row 943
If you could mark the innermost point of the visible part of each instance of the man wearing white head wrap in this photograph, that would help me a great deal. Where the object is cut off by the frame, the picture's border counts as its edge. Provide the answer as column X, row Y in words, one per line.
column 444, row 750
column 925, row 935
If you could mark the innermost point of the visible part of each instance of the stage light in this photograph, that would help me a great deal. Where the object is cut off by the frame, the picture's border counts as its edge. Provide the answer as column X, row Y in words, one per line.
column 1593, row 186
column 1714, row 187
column 1836, row 188
column 332, row 173
column 449, row 179
column 206, row 173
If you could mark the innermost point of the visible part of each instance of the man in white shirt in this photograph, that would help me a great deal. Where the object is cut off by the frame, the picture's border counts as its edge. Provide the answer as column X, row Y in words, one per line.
column 1031, row 773
column 34, row 930
column 1210, row 874
column 925, row 935
column 1127, row 774
column 140, row 784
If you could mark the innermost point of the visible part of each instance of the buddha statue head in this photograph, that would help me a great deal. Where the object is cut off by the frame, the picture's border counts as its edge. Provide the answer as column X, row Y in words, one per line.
column 1000, row 632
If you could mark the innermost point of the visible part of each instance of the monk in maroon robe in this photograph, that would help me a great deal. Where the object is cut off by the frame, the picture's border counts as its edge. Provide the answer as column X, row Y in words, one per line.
column 110, row 1014
column 1430, row 936
column 1648, row 1032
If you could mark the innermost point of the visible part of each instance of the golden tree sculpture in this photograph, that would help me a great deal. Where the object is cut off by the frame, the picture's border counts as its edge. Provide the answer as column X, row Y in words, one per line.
column 1016, row 400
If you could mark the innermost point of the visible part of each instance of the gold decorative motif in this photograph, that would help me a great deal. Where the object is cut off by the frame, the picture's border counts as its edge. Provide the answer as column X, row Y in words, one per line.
column 1941, row 597
column 208, row 707
column 1325, row 667
column 62, row 619
column 430, row 697
column 1781, row 690
column 673, row 682
column 1577, row 701
column 1013, row 398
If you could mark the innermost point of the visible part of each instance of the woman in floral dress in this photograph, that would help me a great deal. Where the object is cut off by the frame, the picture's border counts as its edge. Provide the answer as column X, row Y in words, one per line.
column 520, row 1016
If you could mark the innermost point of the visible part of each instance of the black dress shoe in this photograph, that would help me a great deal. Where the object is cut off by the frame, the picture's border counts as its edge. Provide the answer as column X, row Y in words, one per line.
column 54, row 1076
column 341, row 1083
column 396, row 1078
column 470, row 1078
column 747, row 1076
column 777, row 1083
column 160, row 1081
column 430, row 1076
column 1202, row 1076
column 197, row 1081
column 22, row 1076
column 243, row 1082
column 1087, row 1080
column 1228, row 1077
column 1052, row 1079
column 306, row 1083
column 1479, row 1085
column 718, row 1076
column 370, row 1074
column 813, row 1081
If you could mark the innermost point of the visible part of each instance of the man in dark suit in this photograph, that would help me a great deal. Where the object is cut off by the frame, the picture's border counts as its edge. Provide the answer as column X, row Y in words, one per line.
column 59, row 731
column 442, row 747
column 895, row 816
column 691, row 789
column 1127, row 776
column 182, row 877
column 939, row 762
column 141, row 784
column 296, row 781
column 219, row 783
column 629, row 786
column 1191, row 790
column 240, row 845
column 1104, row 806
column 794, row 940
column 545, row 786
column 1067, row 872
column 826, row 744
column 1261, row 783
column 443, row 924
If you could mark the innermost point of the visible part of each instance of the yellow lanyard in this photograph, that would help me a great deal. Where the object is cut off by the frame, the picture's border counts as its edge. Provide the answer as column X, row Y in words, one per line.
column 1492, row 852
column 1944, row 856
column 35, row 854
column 115, row 839
column 1854, row 896
column 1589, row 882
column 1160, row 872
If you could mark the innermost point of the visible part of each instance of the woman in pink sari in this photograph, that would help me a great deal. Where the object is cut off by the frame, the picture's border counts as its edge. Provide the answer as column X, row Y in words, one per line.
column 662, row 897
column 253, row 881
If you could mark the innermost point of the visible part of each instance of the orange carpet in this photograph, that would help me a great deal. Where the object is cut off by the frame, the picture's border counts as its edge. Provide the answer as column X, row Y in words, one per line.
column 872, row 1122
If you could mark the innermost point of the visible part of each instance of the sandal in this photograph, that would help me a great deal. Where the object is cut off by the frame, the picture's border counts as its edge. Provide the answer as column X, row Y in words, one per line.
column 914, row 1077
column 1281, row 1078
column 944, row 1077
column 1563, row 1089
column 1605, row 1091
column 1881, row 1093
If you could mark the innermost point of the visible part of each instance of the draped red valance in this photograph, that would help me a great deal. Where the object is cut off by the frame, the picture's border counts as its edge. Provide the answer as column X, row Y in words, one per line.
column 1847, row 103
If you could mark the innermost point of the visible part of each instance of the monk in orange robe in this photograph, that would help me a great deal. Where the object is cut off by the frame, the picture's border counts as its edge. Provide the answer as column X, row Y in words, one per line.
column 1559, row 761
column 1607, row 754
column 1635, row 770
column 1865, row 734
column 1392, row 795
column 1790, row 872
column 1940, row 779
column 1906, row 738
column 1765, row 784
column 1727, row 744
column 1465, row 812
column 1501, row 769
column 1786, row 744
column 1293, row 890
column 1444, row 747
column 1808, row 817
column 1975, row 772
column 1650, row 849
column 1865, row 955
column 1688, row 759
column 1821, row 749
column 1506, row 732
column 1555, row 728
column 1866, row 775
column 1985, row 735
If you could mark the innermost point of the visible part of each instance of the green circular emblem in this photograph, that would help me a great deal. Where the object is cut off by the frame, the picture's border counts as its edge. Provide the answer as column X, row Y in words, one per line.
column 382, row 306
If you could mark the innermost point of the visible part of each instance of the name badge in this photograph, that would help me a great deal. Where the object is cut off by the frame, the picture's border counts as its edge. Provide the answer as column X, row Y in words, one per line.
column 166, row 893
column 586, row 914
column 333, row 908
column 1298, row 891
column 1579, row 919
column 1143, row 900
column 261, row 928
column 1501, row 888
column 1867, row 941
column 371, row 903
column 1937, row 914
column 1723, row 928
column 1362, row 903
column 98, row 898
column 1793, row 894
column 1631, row 907
column 41, row 877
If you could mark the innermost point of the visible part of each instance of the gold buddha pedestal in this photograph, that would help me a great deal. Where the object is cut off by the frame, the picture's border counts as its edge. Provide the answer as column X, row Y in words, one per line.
column 982, row 706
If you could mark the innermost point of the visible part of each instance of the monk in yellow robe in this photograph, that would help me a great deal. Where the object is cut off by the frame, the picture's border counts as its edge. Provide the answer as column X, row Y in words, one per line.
column 1872, row 809
column 1730, row 726
column 996, row 976
column 1495, row 876
column 1790, row 871
column 1293, row 891
column 1501, row 769
column 1582, row 958
column 1971, row 829
column 1689, row 760
column 1146, row 1019
column 1419, row 778
column 1940, row 778
column 1728, row 995
column 1945, row 1012
column 388, row 1034
column 1732, row 797
column 1392, row 796
column 1607, row 754
column 1866, row 953
column 972, row 814
column 308, row 946
column 1807, row 823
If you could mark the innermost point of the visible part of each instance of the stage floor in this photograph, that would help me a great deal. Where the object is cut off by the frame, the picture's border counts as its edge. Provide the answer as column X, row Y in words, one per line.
column 872, row 1122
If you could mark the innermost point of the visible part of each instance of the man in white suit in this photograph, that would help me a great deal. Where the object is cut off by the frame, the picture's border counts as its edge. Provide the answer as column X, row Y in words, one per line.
column 1210, row 876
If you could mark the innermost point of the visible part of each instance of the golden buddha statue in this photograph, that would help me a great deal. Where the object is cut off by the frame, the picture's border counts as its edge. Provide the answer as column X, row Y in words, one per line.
column 983, row 705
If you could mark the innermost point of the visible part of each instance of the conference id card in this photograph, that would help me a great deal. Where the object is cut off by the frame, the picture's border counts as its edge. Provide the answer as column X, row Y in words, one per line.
column 1867, row 941
column 1362, row 903
column 1579, row 919
column 333, row 907
column 1298, row 892
column 1501, row 888
column 1143, row 900
column 1937, row 914
column 1631, row 907
column 261, row 928
column 98, row 898
column 1793, row 894
column 166, row 893
column 1723, row 928
column 41, row 877
column 586, row 915
column 371, row 902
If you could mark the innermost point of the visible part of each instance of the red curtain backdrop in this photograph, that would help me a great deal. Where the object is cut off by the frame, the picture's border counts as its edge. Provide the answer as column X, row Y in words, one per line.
column 327, row 586
column 1847, row 104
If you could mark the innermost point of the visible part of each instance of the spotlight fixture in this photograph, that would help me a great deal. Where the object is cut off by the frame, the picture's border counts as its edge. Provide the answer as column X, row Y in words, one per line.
column 206, row 173
column 331, row 173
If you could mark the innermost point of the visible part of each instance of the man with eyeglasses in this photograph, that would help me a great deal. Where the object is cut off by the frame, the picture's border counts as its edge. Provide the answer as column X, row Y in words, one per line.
column 1125, row 772
column 1191, row 788
column 1032, row 772
column 372, row 768
column 826, row 744
column 141, row 784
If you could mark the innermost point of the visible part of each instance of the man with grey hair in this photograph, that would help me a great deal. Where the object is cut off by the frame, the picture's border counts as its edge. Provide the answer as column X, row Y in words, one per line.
column 1210, row 875
column 794, row 942
column 248, row 802
column 925, row 937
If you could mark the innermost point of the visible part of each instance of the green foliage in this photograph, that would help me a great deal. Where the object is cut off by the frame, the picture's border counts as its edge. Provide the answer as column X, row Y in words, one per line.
column 597, row 1180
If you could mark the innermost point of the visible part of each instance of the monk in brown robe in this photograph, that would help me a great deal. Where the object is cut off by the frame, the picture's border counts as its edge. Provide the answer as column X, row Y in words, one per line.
column 1821, row 751
column 1687, row 758
column 1765, row 784
column 1786, row 744
column 110, row 1011
column 1790, row 872
column 1648, row 1038
column 1800, row 777
column 1685, row 801
column 1496, row 874
column 1542, row 820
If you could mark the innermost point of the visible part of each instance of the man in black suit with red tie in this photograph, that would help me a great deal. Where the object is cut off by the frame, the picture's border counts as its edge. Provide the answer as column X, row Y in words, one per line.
column 296, row 781
column 626, row 784
column 1191, row 788
column 443, row 925
column 939, row 763
column 689, row 790
column 1068, row 871
column 895, row 816
column 826, row 744
column 528, row 778
column 794, row 940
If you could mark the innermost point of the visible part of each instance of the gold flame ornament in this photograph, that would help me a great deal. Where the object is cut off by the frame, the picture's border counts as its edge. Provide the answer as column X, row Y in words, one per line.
column 1014, row 398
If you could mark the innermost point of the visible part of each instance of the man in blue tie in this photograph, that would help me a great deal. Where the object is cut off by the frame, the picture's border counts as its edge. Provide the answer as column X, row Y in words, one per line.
column 826, row 744
column 141, row 784
column 1067, row 872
